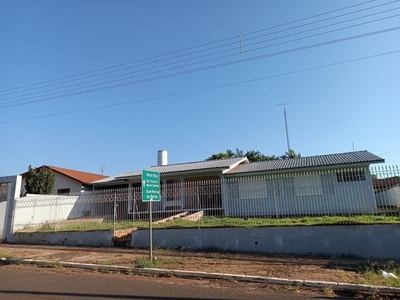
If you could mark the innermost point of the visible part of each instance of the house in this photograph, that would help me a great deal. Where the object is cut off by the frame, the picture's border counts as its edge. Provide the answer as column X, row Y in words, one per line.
column 67, row 181
column 324, row 184
column 387, row 191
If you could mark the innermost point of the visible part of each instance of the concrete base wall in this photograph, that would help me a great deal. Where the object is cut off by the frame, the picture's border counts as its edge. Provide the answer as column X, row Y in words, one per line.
column 362, row 241
column 92, row 238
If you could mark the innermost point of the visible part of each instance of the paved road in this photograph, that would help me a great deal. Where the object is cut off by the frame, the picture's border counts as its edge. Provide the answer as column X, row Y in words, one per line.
column 30, row 282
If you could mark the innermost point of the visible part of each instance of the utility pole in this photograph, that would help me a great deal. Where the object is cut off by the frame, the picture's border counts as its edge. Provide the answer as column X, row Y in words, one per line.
column 286, row 126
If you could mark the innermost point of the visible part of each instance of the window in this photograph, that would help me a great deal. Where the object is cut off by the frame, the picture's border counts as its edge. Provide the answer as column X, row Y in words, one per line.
column 349, row 176
column 308, row 185
column 63, row 191
column 4, row 191
column 302, row 184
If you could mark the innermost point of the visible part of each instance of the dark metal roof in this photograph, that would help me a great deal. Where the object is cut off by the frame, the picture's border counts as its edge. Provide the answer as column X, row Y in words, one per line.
column 240, row 165
column 350, row 158
column 192, row 166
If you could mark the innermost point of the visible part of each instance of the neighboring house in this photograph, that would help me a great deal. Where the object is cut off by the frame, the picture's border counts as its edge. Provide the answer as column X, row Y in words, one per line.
column 387, row 191
column 67, row 181
column 334, row 183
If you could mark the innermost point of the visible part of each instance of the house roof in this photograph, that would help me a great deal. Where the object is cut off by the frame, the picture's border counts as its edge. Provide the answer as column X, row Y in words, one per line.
column 223, row 165
column 191, row 166
column 83, row 177
column 386, row 183
column 241, row 165
column 349, row 158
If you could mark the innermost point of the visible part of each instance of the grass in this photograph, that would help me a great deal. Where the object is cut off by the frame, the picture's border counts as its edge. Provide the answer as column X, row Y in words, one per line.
column 144, row 262
column 157, row 262
column 328, row 291
column 371, row 273
column 5, row 255
column 214, row 222
column 53, row 266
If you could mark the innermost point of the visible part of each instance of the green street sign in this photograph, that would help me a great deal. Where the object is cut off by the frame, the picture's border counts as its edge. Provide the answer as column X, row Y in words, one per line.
column 150, row 185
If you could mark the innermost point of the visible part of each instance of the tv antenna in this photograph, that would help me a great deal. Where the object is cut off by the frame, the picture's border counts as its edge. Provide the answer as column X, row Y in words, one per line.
column 286, row 126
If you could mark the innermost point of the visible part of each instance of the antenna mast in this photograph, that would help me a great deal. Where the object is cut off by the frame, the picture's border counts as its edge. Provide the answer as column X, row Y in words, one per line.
column 286, row 126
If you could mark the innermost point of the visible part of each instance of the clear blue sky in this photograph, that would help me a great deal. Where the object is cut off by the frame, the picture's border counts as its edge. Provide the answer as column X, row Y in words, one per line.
column 98, row 84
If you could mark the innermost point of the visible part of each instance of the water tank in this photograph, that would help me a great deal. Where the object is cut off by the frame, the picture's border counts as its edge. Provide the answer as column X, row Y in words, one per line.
column 162, row 157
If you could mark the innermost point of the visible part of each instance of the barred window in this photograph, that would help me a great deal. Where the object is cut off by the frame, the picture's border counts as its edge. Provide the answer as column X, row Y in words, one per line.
column 63, row 191
column 349, row 176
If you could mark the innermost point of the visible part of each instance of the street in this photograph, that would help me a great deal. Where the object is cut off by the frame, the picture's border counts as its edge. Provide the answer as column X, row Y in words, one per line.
column 31, row 282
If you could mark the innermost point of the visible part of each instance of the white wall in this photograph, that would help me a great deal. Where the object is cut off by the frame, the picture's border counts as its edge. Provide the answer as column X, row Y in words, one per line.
column 32, row 211
column 3, row 208
column 6, row 209
column 389, row 197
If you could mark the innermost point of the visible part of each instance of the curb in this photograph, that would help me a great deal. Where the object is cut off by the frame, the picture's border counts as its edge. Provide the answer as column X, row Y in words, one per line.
column 205, row 275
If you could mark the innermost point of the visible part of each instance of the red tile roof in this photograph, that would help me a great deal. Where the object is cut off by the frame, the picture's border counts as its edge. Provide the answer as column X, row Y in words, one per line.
column 83, row 177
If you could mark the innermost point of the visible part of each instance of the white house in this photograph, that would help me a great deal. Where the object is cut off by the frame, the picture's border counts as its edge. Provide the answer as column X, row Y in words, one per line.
column 333, row 183
column 67, row 181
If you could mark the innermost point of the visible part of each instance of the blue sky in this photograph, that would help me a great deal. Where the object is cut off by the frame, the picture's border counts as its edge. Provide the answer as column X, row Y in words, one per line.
column 98, row 84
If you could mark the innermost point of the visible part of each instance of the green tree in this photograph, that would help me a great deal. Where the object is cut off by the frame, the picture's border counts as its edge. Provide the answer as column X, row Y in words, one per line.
column 252, row 155
column 222, row 155
column 39, row 181
column 290, row 154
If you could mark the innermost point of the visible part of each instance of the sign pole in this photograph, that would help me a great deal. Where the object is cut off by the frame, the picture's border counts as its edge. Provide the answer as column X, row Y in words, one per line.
column 150, row 193
column 151, row 231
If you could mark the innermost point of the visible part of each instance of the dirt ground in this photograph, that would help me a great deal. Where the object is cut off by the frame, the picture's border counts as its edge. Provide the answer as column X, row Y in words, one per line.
column 289, row 267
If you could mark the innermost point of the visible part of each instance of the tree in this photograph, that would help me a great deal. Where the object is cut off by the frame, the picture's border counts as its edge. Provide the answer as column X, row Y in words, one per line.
column 290, row 154
column 251, row 155
column 254, row 156
column 222, row 155
column 39, row 181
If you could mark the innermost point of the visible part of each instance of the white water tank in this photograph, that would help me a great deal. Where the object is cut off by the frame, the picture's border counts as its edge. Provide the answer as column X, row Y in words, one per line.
column 162, row 157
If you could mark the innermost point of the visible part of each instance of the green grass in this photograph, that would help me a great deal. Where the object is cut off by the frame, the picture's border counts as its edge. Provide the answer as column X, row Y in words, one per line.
column 210, row 222
column 371, row 273
column 5, row 255
column 157, row 262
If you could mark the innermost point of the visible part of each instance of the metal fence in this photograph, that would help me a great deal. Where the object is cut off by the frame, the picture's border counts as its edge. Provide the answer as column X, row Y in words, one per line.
column 267, row 200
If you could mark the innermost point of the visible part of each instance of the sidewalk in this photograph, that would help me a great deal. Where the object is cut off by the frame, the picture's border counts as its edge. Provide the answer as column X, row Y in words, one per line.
column 336, row 274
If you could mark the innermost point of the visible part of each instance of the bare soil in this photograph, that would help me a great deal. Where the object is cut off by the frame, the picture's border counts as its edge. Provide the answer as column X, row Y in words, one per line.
column 343, row 270
column 290, row 267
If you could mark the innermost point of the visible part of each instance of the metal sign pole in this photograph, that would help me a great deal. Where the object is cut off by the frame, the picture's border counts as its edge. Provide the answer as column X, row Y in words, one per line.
column 150, row 193
column 151, row 231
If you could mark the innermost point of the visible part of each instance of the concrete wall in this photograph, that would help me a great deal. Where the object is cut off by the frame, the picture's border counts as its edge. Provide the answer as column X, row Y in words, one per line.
column 91, row 238
column 14, row 187
column 389, row 197
column 3, row 209
column 37, row 210
column 362, row 241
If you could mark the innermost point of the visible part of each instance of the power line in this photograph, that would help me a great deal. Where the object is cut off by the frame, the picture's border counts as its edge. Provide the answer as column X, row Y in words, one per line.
column 27, row 101
column 220, row 57
column 203, row 89
column 186, row 49
column 20, row 158
column 323, row 20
